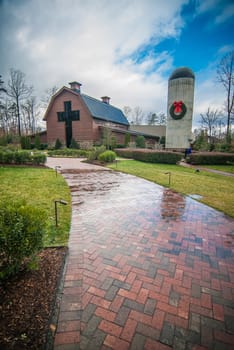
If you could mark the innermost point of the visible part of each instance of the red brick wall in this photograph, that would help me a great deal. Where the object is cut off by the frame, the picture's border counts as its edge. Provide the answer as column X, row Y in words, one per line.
column 97, row 124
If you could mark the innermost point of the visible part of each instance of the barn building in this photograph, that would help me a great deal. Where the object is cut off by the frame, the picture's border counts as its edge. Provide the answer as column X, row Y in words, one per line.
column 74, row 115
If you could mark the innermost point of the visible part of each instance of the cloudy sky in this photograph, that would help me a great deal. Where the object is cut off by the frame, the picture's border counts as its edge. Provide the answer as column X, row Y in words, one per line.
column 125, row 49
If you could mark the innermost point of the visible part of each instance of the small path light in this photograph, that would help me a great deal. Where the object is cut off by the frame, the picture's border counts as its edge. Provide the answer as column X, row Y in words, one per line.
column 56, row 169
column 169, row 173
column 61, row 201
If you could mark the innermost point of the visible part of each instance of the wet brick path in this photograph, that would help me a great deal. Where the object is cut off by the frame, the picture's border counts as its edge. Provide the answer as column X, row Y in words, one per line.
column 147, row 268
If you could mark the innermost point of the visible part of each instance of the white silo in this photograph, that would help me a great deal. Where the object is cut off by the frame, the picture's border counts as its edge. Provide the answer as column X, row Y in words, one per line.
column 180, row 109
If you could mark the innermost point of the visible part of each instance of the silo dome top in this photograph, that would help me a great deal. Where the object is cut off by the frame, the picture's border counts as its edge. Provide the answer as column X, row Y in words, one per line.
column 182, row 72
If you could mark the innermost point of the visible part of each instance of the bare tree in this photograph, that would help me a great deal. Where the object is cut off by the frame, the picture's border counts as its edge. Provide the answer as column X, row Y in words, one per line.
column 29, row 115
column 47, row 96
column 225, row 72
column 156, row 118
column 8, row 121
column 135, row 115
column 210, row 121
column 127, row 111
column 151, row 118
column 2, row 89
column 2, row 108
column 18, row 91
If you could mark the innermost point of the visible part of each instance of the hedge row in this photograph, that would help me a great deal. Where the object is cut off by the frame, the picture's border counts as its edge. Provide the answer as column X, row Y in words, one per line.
column 150, row 156
column 21, row 157
column 68, row 152
column 210, row 158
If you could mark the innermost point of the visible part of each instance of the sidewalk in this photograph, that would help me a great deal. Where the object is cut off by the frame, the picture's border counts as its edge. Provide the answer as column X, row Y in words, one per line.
column 202, row 168
column 147, row 268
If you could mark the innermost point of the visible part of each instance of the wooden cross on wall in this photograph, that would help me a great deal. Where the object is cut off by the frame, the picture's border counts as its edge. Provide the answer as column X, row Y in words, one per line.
column 68, row 116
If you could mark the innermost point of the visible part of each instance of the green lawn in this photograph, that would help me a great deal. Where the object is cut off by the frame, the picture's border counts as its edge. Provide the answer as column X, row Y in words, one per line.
column 40, row 187
column 225, row 168
column 217, row 191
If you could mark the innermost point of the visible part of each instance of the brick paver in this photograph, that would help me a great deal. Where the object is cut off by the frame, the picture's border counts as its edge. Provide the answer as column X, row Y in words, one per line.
column 147, row 268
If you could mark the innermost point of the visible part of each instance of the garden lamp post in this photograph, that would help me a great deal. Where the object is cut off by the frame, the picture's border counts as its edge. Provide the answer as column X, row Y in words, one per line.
column 61, row 201
column 56, row 169
column 169, row 173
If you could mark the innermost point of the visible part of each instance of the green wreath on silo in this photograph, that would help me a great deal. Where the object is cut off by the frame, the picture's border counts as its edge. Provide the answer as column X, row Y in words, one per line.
column 177, row 110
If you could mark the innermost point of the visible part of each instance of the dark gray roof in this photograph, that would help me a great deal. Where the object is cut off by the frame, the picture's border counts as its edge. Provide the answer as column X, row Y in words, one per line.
column 182, row 72
column 104, row 111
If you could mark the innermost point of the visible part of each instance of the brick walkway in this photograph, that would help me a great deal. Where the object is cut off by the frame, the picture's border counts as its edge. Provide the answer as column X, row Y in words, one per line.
column 147, row 268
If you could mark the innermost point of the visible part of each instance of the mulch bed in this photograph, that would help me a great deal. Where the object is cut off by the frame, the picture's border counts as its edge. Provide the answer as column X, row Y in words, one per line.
column 27, row 303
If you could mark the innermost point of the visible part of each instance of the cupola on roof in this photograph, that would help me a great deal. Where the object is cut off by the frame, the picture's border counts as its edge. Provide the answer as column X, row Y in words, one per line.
column 182, row 72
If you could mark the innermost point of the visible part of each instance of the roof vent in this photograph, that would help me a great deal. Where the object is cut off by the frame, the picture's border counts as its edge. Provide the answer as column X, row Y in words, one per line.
column 106, row 99
column 75, row 86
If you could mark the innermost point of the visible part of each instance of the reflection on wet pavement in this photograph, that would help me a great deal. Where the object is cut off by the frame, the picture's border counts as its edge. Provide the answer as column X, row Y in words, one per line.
column 147, row 268
column 172, row 204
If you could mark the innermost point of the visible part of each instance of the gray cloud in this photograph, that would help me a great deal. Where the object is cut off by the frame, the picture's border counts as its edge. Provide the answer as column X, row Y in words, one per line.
column 91, row 41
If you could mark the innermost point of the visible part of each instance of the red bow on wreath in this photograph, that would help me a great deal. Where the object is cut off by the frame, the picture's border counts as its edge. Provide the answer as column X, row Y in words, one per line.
column 177, row 106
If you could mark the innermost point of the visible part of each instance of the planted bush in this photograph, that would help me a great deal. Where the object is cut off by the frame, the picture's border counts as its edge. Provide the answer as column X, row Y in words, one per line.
column 68, row 152
column 74, row 144
column 25, row 142
column 140, row 141
column 37, row 143
column 58, row 144
column 22, row 157
column 94, row 154
column 38, row 158
column 22, row 228
column 150, row 156
column 208, row 158
column 8, row 156
column 107, row 156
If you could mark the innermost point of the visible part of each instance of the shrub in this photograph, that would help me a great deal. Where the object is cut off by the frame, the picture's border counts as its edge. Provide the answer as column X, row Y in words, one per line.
column 107, row 156
column 25, row 142
column 8, row 156
column 127, row 139
column 3, row 141
column 74, row 144
column 162, row 140
column 37, row 143
column 113, row 142
column 150, row 156
column 43, row 146
column 93, row 155
column 68, row 152
column 140, row 141
column 223, row 147
column 87, row 145
column 208, row 158
column 125, row 152
column 120, row 145
column 38, row 158
column 58, row 144
column 22, row 228
column 22, row 157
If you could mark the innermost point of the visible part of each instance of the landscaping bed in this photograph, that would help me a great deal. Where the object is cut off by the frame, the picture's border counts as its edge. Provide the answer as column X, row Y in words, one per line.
column 27, row 303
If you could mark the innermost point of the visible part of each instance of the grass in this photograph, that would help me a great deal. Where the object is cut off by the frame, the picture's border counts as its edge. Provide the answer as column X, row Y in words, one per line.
column 40, row 187
column 225, row 168
column 216, row 190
